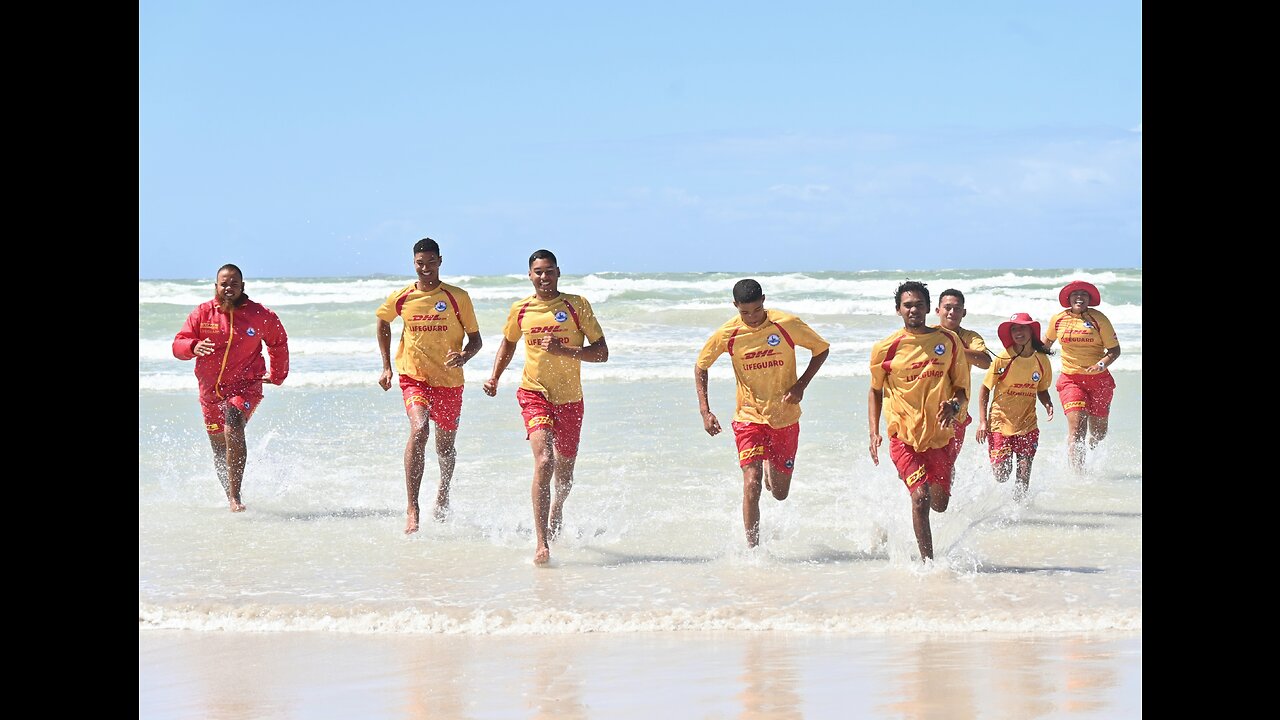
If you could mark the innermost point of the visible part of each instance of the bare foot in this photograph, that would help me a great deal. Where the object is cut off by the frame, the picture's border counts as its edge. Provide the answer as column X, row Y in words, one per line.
column 411, row 525
column 543, row 556
column 237, row 506
column 441, row 513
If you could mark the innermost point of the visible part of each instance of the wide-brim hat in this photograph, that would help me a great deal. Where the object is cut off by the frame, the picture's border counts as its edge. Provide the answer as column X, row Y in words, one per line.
column 1006, row 336
column 1095, row 297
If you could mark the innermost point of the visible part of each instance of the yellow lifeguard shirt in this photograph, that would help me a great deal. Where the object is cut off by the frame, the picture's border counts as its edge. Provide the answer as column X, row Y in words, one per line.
column 1084, row 338
column 973, row 341
column 434, row 323
column 917, row 373
column 764, row 363
column 568, row 319
column 1014, row 384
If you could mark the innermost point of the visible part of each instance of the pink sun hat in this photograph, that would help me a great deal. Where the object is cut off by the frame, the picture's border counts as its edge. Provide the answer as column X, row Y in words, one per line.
column 1095, row 297
column 1006, row 337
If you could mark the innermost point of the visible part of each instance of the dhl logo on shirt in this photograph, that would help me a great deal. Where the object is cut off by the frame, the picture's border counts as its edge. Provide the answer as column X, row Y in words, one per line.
column 543, row 329
column 417, row 318
column 759, row 353
column 210, row 326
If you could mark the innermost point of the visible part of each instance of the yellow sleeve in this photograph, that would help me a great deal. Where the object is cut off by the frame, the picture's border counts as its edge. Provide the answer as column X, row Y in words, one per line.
column 511, row 331
column 805, row 336
column 387, row 310
column 714, row 348
column 590, row 325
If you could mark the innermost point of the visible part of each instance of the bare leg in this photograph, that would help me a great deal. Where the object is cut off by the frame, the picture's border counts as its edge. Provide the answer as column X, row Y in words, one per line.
column 219, row 444
column 414, row 460
column 1077, row 423
column 920, row 520
column 777, row 482
column 1097, row 430
column 1002, row 468
column 564, row 483
column 237, row 456
column 542, row 442
column 447, row 455
column 752, row 476
column 1024, row 475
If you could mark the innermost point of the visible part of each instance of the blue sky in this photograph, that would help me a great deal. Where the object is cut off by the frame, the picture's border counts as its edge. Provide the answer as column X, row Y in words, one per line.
column 325, row 138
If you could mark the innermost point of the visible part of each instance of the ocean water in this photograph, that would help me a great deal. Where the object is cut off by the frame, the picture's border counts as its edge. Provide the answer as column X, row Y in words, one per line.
column 653, row 531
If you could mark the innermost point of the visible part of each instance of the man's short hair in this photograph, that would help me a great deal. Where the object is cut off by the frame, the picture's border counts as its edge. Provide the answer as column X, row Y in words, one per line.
column 910, row 286
column 952, row 292
column 230, row 267
column 426, row 245
column 543, row 255
column 748, row 290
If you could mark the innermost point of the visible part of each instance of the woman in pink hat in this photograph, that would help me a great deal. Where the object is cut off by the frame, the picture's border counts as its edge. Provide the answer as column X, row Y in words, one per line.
column 1018, row 377
column 1089, row 347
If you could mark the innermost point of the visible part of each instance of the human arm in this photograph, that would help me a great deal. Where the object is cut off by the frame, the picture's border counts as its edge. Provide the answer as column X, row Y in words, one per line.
column 875, row 399
column 1106, row 361
column 384, row 347
column 597, row 351
column 277, row 342
column 950, row 407
column 983, row 396
column 980, row 359
column 1047, row 402
column 456, row 359
column 187, row 343
column 796, row 393
column 506, row 350
column 709, row 421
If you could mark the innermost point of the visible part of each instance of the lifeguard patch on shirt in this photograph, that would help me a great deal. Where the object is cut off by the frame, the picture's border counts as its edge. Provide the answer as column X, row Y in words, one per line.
column 440, row 306
column 939, row 349
column 561, row 316
column 210, row 326
column 1035, row 377
column 250, row 332
column 773, row 340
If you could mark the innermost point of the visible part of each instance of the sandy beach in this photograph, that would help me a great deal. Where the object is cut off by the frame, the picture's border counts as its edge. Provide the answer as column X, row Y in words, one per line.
column 231, row 676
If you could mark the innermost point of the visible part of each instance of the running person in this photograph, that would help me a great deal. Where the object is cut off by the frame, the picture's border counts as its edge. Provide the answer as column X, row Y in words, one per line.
column 1085, row 385
column 923, row 375
column 1019, row 376
column 437, row 317
column 950, row 312
column 766, row 421
column 560, row 333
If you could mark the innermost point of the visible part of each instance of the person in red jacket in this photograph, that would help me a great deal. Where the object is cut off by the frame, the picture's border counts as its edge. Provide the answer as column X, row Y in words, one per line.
column 225, row 337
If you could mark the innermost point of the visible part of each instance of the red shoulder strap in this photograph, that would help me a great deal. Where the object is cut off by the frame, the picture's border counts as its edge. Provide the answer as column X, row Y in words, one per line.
column 456, row 312
column 400, row 301
column 785, row 335
column 574, row 313
column 888, row 357
column 520, row 317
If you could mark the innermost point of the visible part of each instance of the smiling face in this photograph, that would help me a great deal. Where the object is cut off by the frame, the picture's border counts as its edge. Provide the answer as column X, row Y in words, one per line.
column 228, row 289
column 752, row 313
column 1021, row 334
column 950, row 312
column 545, row 276
column 427, row 265
column 912, row 309
column 1078, row 301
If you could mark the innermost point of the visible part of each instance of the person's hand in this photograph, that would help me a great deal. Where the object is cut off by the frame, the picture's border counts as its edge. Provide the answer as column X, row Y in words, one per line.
column 491, row 387
column 454, row 359
column 1049, row 409
column 981, row 433
column 875, row 447
column 1099, row 366
column 204, row 347
column 384, row 380
column 554, row 346
column 710, row 423
column 794, row 395
column 947, row 413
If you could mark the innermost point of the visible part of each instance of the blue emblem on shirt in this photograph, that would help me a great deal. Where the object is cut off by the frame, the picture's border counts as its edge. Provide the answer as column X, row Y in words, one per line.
column 561, row 316
column 1035, row 377
column 773, row 340
column 1000, row 370
column 248, row 406
column 1088, row 324
column 250, row 332
column 440, row 306
column 939, row 349
column 790, row 463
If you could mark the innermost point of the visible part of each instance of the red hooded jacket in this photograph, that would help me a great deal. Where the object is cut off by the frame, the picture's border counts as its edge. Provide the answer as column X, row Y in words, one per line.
column 236, row 360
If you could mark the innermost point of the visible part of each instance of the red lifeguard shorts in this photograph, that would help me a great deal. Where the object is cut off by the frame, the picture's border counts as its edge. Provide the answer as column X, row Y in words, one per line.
column 1000, row 447
column 245, row 400
column 1090, row 393
column 565, row 421
column 444, row 404
column 758, row 441
column 914, row 467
